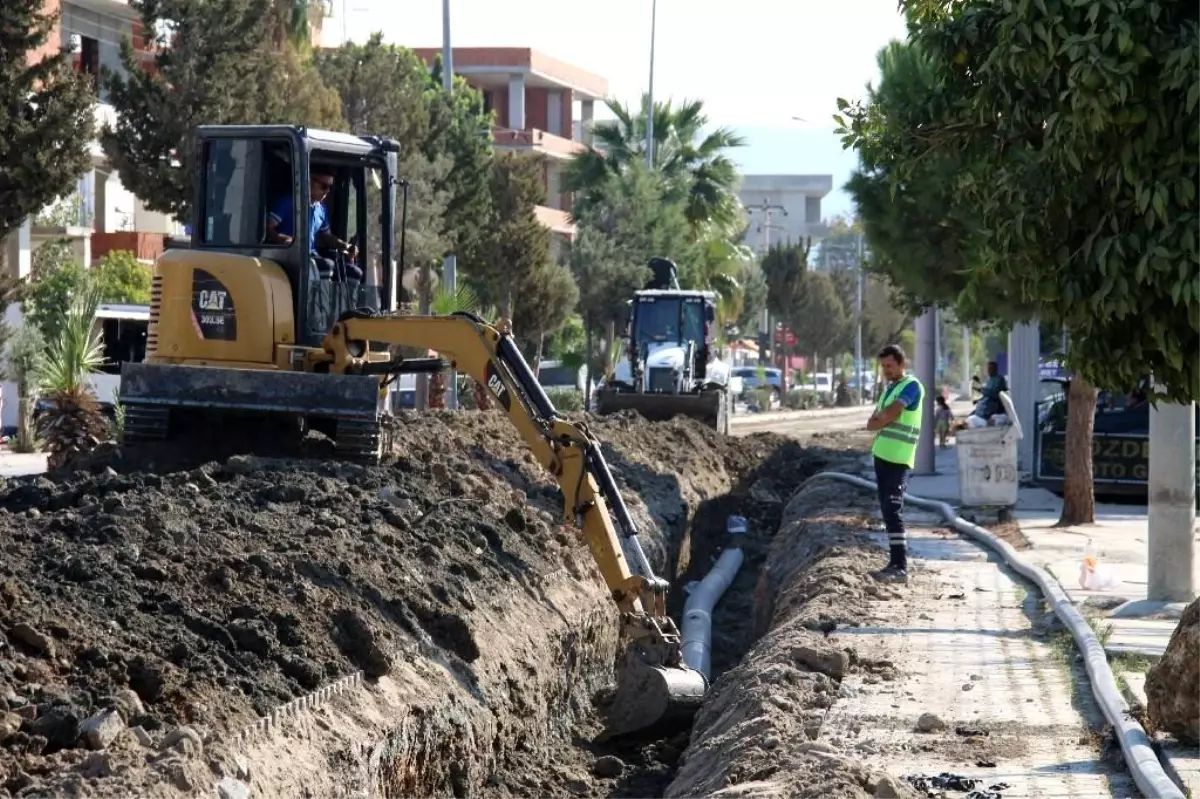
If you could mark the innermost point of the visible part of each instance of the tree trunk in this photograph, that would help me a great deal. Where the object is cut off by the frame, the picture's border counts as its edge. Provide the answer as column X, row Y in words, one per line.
column 1079, row 495
column 589, row 344
column 537, row 354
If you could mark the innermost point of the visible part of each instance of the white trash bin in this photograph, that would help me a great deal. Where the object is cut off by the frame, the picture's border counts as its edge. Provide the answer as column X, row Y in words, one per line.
column 987, row 467
column 987, row 463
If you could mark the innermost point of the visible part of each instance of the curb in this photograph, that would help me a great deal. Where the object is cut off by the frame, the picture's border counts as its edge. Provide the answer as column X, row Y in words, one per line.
column 1143, row 762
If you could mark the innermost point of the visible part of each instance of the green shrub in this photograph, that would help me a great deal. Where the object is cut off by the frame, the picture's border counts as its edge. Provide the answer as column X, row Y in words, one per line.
column 567, row 400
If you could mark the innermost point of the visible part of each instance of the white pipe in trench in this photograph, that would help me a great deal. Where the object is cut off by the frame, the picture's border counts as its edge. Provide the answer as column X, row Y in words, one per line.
column 703, row 597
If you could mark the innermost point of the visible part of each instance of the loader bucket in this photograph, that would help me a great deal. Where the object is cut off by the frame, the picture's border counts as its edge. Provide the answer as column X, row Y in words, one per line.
column 652, row 700
column 708, row 407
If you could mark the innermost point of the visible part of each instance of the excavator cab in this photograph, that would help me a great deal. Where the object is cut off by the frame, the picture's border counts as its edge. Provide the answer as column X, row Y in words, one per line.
column 255, row 180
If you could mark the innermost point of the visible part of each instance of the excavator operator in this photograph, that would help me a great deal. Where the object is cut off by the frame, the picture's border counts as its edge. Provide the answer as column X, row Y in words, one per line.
column 280, row 229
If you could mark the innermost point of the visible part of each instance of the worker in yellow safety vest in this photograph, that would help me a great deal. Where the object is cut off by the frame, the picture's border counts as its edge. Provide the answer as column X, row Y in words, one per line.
column 897, row 425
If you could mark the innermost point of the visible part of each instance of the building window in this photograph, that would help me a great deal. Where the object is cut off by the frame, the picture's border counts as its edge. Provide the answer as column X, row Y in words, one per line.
column 89, row 59
column 812, row 210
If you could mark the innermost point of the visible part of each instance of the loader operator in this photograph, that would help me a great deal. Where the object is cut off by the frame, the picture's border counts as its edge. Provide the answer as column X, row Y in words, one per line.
column 279, row 227
column 897, row 422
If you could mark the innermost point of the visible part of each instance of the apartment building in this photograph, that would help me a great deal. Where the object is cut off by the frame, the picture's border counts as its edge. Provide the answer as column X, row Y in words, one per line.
column 783, row 208
column 541, row 105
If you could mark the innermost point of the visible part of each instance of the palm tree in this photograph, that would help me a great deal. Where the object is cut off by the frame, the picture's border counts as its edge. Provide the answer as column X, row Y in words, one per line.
column 694, row 164
column 292, row 21
column 73, row 424
column 445, row 302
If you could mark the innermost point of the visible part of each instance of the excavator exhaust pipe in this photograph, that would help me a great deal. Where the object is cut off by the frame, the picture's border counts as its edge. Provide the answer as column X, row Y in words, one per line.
column 651, row 700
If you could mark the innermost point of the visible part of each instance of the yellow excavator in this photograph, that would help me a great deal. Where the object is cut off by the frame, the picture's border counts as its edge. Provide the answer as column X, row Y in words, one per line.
column 283, row 304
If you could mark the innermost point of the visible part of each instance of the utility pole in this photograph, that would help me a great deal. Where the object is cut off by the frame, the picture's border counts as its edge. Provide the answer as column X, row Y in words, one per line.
column 1171, row 552
column 926, row 369
column 450, row 265
column 966, row 345
column 765, row 228
column 650, row 93
column 858, row 322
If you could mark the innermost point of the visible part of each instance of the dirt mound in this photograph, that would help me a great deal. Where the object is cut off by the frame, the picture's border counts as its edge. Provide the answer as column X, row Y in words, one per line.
column 756, row 735
column 148, row 617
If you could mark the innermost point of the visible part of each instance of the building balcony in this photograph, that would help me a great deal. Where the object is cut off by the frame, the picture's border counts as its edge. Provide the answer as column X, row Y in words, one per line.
column 538, row 141
column 558, row 221
column 146, row 247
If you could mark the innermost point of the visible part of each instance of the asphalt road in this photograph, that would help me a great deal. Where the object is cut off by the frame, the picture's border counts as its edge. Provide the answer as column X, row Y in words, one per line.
column 803, row 424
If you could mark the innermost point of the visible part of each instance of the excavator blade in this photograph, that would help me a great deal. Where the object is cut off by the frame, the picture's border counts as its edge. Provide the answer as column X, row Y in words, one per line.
column 650, row 699
column 153, row 393
column 705, row 407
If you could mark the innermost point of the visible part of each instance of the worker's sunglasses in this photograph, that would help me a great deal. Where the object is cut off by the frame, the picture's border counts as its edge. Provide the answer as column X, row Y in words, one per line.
column 324, row 184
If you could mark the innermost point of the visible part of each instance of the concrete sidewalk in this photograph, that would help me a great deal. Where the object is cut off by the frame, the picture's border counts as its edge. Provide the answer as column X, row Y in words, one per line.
column 1119, row 537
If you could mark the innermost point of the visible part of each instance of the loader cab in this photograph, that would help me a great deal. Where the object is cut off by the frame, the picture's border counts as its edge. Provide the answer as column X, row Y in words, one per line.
column 246, row 174
column 673, row 318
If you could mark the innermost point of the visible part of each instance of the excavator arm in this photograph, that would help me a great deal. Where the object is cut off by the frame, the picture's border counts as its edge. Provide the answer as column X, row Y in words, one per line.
column 654, row 685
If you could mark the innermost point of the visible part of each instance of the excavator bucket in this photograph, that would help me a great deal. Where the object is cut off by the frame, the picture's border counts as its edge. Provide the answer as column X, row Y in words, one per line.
column 651, row 700
column 709, row 407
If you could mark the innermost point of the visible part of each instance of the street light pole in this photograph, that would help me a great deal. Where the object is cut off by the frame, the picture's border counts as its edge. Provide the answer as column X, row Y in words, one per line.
column 858, row 317
column 450, row 266
column 650, row 93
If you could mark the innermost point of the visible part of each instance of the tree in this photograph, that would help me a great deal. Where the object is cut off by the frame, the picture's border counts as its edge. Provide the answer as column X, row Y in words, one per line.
column 693, row 163
column 754, row 296
column 298, row 95
column 48, row 117
column 548, row 297
column 214, row 63
column 783, row 268
column 384, row 90
column 291, row 22
column 641, row 223
column 1079, row 129
column 515, row 244
column 73, row 424
column 122, row 279
column 207, row 65
column 606, row 281
column 460, row 127
column 819, row 321
column 883, row 316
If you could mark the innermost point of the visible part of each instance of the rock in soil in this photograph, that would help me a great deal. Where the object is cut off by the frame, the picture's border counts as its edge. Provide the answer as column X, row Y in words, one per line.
column 186, row 605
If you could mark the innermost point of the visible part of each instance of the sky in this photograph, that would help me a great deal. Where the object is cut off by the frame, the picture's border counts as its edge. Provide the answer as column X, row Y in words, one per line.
column 756, row 64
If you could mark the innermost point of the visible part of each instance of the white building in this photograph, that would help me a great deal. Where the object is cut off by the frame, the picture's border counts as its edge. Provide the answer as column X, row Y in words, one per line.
column 783, row 208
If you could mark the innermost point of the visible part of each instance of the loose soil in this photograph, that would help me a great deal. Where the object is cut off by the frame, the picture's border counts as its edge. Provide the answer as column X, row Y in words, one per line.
column 149, row 616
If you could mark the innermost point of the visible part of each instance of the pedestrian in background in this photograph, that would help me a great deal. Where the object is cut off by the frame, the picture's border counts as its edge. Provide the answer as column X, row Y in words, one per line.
column 897, row 425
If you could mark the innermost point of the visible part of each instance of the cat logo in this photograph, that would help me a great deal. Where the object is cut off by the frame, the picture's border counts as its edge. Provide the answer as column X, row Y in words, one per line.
column 212, row 300
column 496, row 386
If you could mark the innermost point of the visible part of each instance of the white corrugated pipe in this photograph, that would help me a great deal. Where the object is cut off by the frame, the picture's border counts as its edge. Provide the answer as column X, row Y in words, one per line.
column 703, row 597
column 1139, row 755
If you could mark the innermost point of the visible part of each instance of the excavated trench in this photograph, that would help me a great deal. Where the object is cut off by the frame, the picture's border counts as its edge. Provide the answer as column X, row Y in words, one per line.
column 296, row 627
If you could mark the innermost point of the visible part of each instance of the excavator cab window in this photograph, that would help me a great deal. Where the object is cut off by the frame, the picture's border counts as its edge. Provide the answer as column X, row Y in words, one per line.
column 338, row 282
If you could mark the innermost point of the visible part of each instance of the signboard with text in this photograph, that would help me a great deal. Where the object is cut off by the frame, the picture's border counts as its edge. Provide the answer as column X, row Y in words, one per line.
column 1117, row 460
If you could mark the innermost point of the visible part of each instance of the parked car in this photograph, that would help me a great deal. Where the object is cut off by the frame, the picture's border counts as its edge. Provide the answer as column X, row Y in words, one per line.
column 749, row 377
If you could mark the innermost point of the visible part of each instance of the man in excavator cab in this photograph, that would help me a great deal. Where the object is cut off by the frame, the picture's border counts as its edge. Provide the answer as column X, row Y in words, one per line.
column 241, row 326
column 281, row 229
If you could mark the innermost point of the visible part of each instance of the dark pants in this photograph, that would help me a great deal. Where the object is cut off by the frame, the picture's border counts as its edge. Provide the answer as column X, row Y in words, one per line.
column 892, row 479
